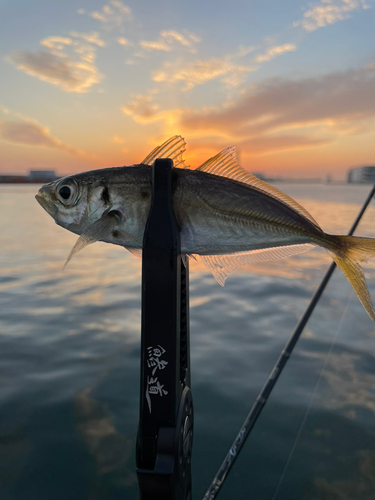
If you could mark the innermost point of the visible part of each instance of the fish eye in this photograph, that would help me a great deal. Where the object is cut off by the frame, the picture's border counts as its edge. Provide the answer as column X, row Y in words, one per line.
column 67, row 192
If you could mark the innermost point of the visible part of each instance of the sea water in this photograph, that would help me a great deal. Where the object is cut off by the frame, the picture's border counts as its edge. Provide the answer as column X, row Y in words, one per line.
column 69, row 364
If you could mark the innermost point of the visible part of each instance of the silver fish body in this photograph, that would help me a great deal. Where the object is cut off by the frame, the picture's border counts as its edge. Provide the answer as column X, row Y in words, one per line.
column 215, row 215
column 222, row 216
column 225, row 215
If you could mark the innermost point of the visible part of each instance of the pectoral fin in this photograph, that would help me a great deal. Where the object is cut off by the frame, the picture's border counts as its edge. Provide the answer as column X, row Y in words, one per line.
column 99, row 230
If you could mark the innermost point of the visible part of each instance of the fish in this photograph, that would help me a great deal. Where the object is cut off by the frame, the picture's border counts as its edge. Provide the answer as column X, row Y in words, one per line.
column 226, row 216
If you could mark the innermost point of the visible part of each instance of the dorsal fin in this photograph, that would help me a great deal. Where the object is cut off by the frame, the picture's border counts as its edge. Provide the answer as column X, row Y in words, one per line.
column 222, row 265
column 225, row 164
column 173, row 148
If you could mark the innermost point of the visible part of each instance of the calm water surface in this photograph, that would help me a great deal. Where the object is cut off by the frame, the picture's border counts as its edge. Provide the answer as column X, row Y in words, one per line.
column 70, row 366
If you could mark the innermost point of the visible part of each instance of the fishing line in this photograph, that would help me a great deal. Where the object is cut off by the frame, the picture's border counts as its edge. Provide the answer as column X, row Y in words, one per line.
column 312, row 397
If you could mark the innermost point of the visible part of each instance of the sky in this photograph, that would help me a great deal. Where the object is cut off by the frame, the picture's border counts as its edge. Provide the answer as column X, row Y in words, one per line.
column 93, row 84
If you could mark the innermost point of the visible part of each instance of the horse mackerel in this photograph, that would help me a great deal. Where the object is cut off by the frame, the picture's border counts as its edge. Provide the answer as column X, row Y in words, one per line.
column 226, row 215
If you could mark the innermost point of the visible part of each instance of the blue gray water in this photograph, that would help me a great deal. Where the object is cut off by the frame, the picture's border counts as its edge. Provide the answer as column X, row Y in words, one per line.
column 69, row 344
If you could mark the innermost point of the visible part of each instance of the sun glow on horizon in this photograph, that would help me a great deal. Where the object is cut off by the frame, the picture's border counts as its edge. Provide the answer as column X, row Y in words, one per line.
column 102, row 87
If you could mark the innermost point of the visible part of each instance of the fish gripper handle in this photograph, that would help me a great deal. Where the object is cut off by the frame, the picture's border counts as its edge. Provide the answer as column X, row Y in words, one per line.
column 166, row 419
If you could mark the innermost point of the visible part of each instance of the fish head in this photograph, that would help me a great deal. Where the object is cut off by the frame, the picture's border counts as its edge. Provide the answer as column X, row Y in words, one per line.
column 66, row 201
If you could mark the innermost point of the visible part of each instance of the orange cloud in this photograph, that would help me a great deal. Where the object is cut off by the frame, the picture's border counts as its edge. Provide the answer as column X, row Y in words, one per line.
column 167, row 41
column 93, row 37
column 124, row 42
column 155, row 45
column 113, row 13
column 141, row 108
column 336, row 103
column 202, row 71
column 33, row 134
column 187, row 39
column 56, row 42
column 273, row 52
column 276, row 115
column 75, row 72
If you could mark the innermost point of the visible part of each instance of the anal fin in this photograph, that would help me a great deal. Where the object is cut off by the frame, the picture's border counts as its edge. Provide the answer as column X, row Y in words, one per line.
column 222, row 265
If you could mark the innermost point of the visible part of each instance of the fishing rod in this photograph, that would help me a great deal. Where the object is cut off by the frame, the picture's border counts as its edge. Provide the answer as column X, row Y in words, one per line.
column 263, row 396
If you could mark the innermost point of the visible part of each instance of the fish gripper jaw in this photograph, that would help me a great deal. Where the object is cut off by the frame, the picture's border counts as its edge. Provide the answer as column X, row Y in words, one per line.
column 166, row 421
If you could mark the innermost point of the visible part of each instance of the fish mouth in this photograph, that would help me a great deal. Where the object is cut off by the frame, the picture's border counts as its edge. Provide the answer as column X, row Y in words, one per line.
column 48, row 207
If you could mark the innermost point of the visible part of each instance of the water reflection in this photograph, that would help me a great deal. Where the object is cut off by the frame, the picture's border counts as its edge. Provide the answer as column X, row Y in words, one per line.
column 15, row 448
column 361, row 487
column 110, row 449
column 349, row 387
column 61, row 332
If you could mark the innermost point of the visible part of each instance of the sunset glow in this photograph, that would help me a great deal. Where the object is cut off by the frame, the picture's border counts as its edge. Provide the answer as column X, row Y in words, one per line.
column 88, row 85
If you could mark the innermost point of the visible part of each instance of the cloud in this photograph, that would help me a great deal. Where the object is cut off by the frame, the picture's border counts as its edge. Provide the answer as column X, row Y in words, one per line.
column 186, row 40
column 167, row 41
column 144, row 110
column 30, row 133
column 275, row 115
column 131, row 62
column 141, row 108
column 93, row 37
column 272, row 52
column 157, row 45
column 199, row 71
column 118, row 140
column 72, row 72
column 124, row 41
column 243, row 51
column 202, row 71
column 253, row 144
column 56, row 42
column 338, row 101
column 329, row 12
column 114, row 13
column 50, row 68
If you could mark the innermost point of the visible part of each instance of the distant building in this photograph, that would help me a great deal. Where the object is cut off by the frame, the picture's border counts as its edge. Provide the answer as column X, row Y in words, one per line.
column 42, row 175
column 361, row 175
column 13, row 179
column 37, row 176
column 260, row 176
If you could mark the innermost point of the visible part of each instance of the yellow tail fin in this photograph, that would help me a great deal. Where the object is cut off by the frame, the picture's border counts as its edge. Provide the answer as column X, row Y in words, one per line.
column 352, row 250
